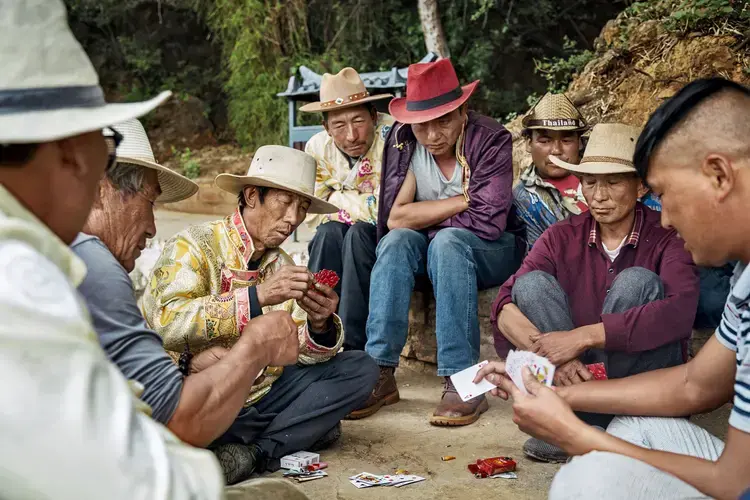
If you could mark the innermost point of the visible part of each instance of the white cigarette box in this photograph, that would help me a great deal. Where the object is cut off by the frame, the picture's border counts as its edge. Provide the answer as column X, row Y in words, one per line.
column 299, row 460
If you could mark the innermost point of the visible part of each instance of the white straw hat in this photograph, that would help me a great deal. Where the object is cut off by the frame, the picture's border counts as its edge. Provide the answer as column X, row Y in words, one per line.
column 280, row 167
column 48, row 88
column 609, row 151
column 135, row 149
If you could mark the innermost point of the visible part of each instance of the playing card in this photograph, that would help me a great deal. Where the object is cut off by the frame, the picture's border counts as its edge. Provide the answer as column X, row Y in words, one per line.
column 540, row 367
column 367, row 478
column 416, row 479
column 397, row 479
column 361, row 484
column 543, row 370
column 598, row 370
column 463, row 381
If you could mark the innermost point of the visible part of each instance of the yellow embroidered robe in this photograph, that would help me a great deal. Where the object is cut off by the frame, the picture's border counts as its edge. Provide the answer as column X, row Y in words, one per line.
column 198, row 292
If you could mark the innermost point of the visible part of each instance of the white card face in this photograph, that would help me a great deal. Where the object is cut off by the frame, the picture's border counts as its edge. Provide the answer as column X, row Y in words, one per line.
column 542, row 369
column 463, row 381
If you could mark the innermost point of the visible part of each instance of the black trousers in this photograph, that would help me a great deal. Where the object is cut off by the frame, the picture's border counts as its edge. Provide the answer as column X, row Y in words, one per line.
column 303, row 404
column 350, row 251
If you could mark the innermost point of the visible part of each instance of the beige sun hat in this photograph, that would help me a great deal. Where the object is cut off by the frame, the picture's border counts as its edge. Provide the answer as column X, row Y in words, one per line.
column 342, row 90
column 135, row 149
column 280, row 167
column 48, row 88
column 554, row 112
column 609, row 151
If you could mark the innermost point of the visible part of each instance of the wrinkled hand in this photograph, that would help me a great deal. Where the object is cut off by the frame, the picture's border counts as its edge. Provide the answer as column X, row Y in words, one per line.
column 289, row 282
column 571, row 373
column 545, row 415
column 319, row 304
column 273, row 334
column 558, row 347
column 494, row 372
column 206, row 359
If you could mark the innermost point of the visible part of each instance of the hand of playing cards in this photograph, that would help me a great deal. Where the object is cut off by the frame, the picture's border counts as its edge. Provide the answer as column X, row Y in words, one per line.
column 540, row 367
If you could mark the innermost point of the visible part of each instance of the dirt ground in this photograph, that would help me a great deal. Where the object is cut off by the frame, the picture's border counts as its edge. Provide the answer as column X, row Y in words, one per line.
column 400, row 436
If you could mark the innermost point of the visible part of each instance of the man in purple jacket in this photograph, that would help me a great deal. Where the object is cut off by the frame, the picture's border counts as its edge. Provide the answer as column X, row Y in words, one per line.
column 608, row 286
column 445, row 195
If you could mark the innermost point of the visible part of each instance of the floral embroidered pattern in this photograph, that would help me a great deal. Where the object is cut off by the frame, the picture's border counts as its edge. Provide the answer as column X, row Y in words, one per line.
column 364, row 169
column 345, row 217
column 366, row 187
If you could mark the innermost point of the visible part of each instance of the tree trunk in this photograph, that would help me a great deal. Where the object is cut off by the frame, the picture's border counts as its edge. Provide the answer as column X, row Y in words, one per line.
column 434, row 36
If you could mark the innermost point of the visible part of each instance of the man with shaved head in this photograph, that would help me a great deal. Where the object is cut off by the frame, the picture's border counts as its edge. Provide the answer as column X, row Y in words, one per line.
column 694, row 152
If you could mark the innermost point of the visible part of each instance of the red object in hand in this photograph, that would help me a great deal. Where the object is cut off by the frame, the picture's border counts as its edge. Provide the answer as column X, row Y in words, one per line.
column 325, row 277
column 598, row 371
column 487, row 467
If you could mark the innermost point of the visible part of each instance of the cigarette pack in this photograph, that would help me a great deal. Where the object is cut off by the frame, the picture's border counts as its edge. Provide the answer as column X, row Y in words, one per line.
column 299, row 460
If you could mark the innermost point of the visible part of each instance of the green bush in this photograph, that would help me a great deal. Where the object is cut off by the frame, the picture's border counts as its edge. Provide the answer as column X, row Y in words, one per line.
column 191, row 167
column 559, row 71
column 695, row 14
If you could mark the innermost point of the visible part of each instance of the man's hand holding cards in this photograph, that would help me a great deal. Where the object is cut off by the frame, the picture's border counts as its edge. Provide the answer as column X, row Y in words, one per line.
column 493, row 373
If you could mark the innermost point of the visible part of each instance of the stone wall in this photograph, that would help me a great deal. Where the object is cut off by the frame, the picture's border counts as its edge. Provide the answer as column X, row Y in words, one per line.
column 208, row 200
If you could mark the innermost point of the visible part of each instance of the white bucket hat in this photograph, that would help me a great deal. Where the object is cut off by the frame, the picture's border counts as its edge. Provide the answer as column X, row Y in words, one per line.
column 48, row 88
column 280, row 167
column 609, row 151
column 135, row 149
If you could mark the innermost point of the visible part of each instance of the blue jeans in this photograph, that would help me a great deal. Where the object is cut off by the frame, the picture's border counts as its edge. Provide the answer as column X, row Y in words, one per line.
column 458, row 263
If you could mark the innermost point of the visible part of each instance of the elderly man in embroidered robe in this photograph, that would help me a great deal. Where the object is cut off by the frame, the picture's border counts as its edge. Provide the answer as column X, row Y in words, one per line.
column 348, row 152
column 212, row 278
column 608, row 286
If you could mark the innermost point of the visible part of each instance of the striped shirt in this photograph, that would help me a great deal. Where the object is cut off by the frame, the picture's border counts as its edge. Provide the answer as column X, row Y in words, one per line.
column 734, row 334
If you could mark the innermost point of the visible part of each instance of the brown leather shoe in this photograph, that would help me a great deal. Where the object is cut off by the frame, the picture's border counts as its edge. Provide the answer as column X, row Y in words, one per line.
column 453, row 412
column 385, row 393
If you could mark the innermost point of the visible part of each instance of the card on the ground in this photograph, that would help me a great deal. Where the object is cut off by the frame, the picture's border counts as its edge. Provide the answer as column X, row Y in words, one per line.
column 463, row 381
column 367, row 478
column 540, row 367
column 416, row 479
column 598, row 370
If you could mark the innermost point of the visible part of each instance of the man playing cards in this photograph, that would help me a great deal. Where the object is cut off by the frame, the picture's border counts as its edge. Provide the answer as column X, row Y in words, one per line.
column 608, row 286
column 694, row 153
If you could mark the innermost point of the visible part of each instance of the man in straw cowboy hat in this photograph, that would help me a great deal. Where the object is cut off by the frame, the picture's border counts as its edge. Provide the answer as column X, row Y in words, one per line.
column 72, row 427
column 547, row 193
column 445, row 197
column 198, row 405
column 212, row 278
column 607, row 286
column 349, row 152
column 694, row 153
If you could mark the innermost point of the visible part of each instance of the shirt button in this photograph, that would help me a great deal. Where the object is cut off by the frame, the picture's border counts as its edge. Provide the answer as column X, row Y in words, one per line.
column 611, row 270
column 607, row 290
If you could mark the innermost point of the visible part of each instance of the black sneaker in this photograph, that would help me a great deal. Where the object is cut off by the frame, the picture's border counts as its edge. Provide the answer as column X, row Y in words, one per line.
column 544, row 452
column 239, row 461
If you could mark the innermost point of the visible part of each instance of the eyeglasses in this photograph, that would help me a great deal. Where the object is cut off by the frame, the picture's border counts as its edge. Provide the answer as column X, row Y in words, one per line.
column 113, row 139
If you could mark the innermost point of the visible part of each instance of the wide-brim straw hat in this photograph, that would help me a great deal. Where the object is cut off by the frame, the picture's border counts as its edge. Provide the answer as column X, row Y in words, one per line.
column 609, row 150
column 554, row 112
column 343, row 90
column 135, row 149
column 48, row 88
column 280, row 167
column 432, row 90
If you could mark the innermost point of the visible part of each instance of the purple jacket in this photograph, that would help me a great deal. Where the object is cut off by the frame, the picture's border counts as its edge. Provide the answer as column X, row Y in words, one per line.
column 488, row 150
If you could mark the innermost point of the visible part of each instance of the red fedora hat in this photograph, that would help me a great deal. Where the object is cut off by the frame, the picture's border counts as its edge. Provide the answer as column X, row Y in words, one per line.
column 432, row 90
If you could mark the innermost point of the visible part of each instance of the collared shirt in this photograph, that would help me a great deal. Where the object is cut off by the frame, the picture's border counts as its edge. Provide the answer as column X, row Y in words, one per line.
column 198, row 293
column 71, row 425
column 353, row 185
column 571, row 251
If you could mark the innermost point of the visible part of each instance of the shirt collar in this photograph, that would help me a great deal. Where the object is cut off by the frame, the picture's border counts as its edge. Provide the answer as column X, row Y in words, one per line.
column 635, row 233
column 21, row 224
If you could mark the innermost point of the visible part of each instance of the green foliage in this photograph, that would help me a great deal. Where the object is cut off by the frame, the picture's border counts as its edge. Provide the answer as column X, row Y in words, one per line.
column 559, row 71
column 191, row 167
column 695, row 14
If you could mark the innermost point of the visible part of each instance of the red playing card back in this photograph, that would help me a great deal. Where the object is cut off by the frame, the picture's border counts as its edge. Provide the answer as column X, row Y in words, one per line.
column 598, row 371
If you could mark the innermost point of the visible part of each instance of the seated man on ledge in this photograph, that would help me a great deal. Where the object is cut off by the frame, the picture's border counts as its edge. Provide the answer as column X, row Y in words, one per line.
column 608, row 286
column 200, row 407
column 694, row 153
column 445, row 197
column 212, row 278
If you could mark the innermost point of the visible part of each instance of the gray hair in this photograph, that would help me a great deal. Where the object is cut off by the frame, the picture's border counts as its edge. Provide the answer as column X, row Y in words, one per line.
column 127, row 178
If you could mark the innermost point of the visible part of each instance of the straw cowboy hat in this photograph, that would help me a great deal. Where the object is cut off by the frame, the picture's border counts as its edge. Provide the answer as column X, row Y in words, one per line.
column 135, row 149
column 342, row 90
column 48, row 88
column 432, row 90
column 554, row 112
column 609, row 151
column 280, row 167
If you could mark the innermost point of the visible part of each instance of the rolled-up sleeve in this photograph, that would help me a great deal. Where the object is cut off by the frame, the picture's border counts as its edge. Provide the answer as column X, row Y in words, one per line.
column 660, row 322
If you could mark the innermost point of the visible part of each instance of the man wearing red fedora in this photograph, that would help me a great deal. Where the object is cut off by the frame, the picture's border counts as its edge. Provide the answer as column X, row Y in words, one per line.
column 445, row 195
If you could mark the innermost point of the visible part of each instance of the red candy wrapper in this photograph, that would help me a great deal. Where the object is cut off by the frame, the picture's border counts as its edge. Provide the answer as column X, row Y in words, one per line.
column 325, row 277
column 598, row 371
column 487, row 467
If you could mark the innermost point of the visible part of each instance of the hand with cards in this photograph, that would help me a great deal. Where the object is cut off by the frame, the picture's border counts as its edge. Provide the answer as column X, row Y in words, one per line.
column 540, row 367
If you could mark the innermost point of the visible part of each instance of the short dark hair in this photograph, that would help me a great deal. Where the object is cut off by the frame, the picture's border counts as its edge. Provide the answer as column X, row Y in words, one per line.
column 261, row 190
column 368, row 105
column 16, row 155
column 673, row 112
